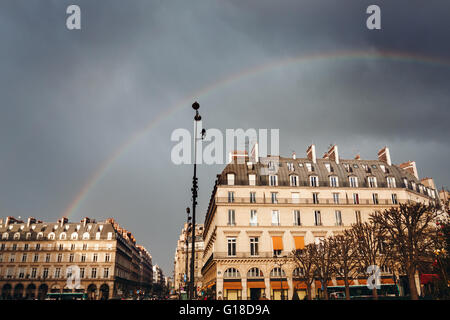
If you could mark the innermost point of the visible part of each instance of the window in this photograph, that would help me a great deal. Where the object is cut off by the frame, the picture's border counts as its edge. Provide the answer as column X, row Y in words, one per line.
column 277, row 273
column 86, row 236
column 16, row 236
column 62, row 236
column 338, row 216
column 254, row 246
column 353, row 182
column 24, row 257
column 231, row 247
column 254, row 273
column 290, row 166
column 336, row 198
column 394, row 198
column 348, row 168
column 95, row 257
column 230, row 179
column 57, row 273
column 94, row 273
column 33, row 272
column 309, row 166
column 316, row 198
column 109, row 236
column 5, row 236
column 328, row 166
column 231, row 218
column 82, row 273
column 71, row 257
column 14, row 246
column 38, row 246
column 47, row 257
column 97, row 236
column 12, row 257
column 294, row 180
column 84, row 246
column 21, row 273
column 74, row 236
column 230, row 196
column 45, row 273
column 273, row 180
column 252, row 180
column 274, row 197
column 334, row 181
column 313, row 181
column 317, row 218
column 358, row 216
column 105, row 272
column 231, row 273
column 383, row 168
column 253, row 218
column 83, row 257
column 59, row 257
column 107, row 257
column 405, row 182
column 277, row 243
column 275, row 218
column 297, row 221
column 72, row 246
column 355, row 198
column 390, row 182
column 51, row 236
column 298, row 273
column 375, row 198
column 372, row 182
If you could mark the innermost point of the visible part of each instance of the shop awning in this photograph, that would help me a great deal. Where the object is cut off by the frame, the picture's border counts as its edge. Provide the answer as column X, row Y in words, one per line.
column 299, row 243
column 299, row 284
column 341, row 282
column 232, row 285
column 256, row 284
column 387, row 281
column 277, row 285
column 277, row 243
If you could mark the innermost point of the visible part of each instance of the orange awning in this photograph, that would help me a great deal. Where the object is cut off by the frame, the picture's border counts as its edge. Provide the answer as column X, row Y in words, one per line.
column 341, row 282
column 232, row 285
column 299, row 243
column 256, row 284
column 387, row 281
column 277, row 243
column 319, row 284
column 299, row 284
column 277, row 285
column 362, row 281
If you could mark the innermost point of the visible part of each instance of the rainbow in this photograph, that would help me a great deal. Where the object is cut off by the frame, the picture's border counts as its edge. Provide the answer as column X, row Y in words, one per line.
column 102, row 170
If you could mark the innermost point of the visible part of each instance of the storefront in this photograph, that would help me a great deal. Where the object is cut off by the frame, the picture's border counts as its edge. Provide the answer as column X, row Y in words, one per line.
column 255, row 288
column 232, row 290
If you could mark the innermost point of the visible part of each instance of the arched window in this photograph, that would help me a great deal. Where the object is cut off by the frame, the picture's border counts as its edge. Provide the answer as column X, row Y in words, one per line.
column 86, row 236
column 5, row 236
column 298, row 272
column 277, row 273
column 62, row 236
column 74, row 236
column 254, row 273
column 51, row 236
column 231, row 273
column 40, row 235
column 16, row 236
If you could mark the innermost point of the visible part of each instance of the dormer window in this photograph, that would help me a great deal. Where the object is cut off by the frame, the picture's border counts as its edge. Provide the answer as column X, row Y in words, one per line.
column 230, row 179
column 86, row 236
column 290, row 166
column 347, row 167
column 390, row 182
column 372, row 181
column 405, row 183
column 62, row 236
column 252, row 179
column 314, row 181
column 334, row 181
column 309, row 166
column 16, row 236
column 74, row 236
column 383, row 168
column 273, row 180
column 294, row 180
column 353, row 182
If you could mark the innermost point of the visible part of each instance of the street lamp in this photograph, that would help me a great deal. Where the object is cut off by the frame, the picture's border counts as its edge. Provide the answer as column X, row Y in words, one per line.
column 188, row 229
column 194, row 190
column 281, row 263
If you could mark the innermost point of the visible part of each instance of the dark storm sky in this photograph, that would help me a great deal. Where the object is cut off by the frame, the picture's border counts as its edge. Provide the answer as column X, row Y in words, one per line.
column 69, row 99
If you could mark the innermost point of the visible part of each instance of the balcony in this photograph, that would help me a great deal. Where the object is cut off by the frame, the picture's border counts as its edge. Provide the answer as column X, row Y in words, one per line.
column 304, row 201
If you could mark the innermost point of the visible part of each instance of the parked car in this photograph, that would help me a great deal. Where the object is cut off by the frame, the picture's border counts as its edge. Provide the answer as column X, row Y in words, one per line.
column 337, row 295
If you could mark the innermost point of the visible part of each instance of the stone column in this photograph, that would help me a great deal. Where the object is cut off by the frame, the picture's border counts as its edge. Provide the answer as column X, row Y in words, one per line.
column 244, row 288
column 219, row 288
column 290, row 289
column 267, row 283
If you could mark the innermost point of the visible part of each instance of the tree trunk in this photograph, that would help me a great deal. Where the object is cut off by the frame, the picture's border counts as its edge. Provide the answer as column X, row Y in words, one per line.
column 375, row 293
column 325, row 288
column 347, row 288
column 412, row 285
column 308, row 291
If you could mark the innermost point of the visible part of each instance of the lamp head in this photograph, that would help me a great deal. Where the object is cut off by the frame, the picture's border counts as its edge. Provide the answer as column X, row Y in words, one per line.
column 188, row 210
column 195, row 105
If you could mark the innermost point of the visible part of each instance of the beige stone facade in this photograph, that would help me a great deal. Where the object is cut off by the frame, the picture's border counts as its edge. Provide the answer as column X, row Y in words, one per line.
column 253, row 217
column 38, row 257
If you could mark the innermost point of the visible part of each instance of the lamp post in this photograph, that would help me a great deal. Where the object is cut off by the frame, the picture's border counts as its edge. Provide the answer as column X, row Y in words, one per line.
column 281, row 263
column 188, row 229
column 197, row 118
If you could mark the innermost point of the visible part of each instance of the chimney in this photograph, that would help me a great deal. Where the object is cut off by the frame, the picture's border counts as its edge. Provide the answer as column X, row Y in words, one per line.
column 357, row 157
column 30, row 221
column 63, row 221
column 311, row 153
column 294, row 156
column 85, row 221
column 410, row 166
column 325, row 155
column 428, row 182
column 238, row 156
column 10, row 220
column 385, row 156
column 333, row 154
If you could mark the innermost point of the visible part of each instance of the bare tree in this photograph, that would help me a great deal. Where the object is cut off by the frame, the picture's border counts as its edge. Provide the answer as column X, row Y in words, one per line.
column 345, row 260
column 371, row 247
column 410, row 230
column 304, row 260
column 323, row 262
